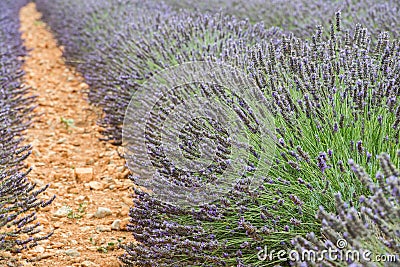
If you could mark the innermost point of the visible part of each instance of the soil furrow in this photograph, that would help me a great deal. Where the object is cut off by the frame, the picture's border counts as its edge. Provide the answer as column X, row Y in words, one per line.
column 87, row 175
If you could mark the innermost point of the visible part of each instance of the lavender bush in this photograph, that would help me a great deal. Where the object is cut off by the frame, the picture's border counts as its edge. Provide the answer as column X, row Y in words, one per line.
column 333, row 98
column 19, row 199
column 373, row 227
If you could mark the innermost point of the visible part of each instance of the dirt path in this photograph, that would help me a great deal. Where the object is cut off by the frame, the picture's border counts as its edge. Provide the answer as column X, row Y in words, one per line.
column 64, row 137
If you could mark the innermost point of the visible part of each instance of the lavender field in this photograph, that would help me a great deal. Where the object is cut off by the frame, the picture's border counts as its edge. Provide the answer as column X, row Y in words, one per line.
column 256, row 133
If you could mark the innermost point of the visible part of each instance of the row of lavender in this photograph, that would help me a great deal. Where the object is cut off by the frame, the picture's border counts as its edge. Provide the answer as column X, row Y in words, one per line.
column 135, row 52
column 19, row 198
column 88, row 45
column 334, row 98
column 300, row 17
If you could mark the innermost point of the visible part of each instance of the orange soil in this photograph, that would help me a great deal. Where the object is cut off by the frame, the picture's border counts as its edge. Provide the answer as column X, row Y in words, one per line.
column 59, row 148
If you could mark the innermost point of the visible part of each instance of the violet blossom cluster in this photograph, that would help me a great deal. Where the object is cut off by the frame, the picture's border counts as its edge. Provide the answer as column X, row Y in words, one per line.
column 19, row 201
column 372, row 229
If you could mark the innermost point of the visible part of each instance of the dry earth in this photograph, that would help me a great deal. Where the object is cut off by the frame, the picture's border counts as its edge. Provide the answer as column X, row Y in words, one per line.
column 65, row 138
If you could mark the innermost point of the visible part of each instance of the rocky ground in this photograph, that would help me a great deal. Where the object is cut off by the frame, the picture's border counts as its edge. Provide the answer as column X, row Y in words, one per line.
column 90, row 213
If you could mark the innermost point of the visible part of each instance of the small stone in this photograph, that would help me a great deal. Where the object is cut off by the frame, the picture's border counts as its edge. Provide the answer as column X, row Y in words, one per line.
column 111, row 167
column 66, row 235
column 62, row 140
column 39, row 249
column 120, row 168
column 76, row 143
column 95, row 185
column 85, row 228
column 39, row 182
column 123, row 175
column 73, row 190
column 36, row 153
column 103, row 228
column 108, row 179
column 72, row 253
column 57, row 245
column 116, row 225
column 79, row 130
column 88, row 264
column 92, row 248
column 111, row 153
column 81, row 198
column 62, row 212
column 84, row 174
column 102, row 212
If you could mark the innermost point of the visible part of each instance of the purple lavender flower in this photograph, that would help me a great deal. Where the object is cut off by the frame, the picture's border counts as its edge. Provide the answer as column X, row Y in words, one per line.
column 322, row 162
column 373, row 220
